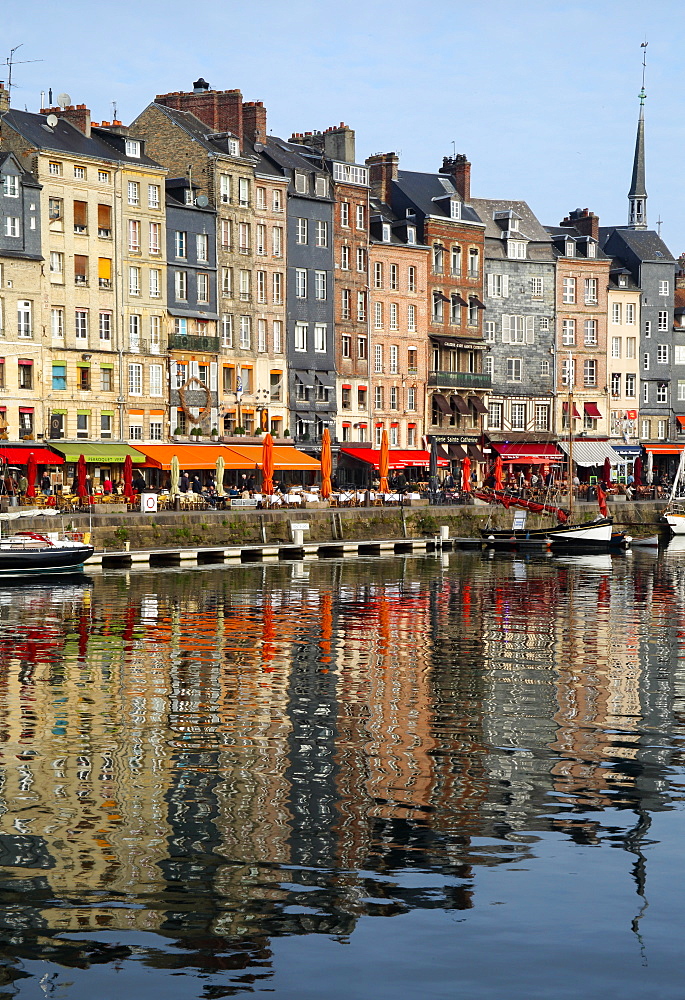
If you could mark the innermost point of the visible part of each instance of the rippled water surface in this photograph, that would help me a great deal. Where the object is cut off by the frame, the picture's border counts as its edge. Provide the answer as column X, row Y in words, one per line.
column 440, row 777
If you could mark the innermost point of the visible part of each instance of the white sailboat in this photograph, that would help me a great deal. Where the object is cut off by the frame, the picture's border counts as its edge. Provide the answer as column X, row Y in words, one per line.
column 674, row 514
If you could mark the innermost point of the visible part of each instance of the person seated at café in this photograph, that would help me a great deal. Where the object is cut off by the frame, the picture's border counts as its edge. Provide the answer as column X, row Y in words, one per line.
column 138, row 483
column 233, row 492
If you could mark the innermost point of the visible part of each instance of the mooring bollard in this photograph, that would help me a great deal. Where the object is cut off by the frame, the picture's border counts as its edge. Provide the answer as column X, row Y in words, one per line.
column 444, row 532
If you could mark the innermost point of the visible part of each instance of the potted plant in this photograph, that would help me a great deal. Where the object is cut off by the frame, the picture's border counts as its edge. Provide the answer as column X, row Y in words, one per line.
column 178, row 432
column 196, row 432
column 215, row 432
column 286, row 433
column 258, row 432
column 239, row 430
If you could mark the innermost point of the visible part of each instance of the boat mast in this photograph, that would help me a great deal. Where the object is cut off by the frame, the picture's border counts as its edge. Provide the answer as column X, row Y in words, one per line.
column 678, row 476
column 570, row 436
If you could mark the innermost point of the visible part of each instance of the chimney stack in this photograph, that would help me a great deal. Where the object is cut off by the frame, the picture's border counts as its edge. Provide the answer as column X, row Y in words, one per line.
column 586, row 222
column 78, row 115
column 4, row 98
column 220, row 110
column 383, row 170
column 254, row 122
column 458, row 169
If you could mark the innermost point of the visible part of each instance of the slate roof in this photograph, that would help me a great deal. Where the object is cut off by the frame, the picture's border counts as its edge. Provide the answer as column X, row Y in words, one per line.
column 66, row 138
column 617, row 269
column 198, row 130
column 27, row 179
column 529, row 226
column 421, row 189
column 380, row 213
column 561, row 233
column 646, row 244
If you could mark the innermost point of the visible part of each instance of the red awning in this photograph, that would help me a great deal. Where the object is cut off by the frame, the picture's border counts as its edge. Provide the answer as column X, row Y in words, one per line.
column 575, row 409
column 592, row 411
column 20, row 456
column 397, row 459
column 529, row 454
column 681, row 420
column 664, row 449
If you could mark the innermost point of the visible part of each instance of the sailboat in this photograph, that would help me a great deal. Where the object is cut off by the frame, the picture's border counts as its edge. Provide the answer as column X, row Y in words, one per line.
column 565, row 533
column 674, row 514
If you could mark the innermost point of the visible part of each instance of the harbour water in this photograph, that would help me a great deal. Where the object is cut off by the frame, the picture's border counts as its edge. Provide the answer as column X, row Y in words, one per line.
column 455, row 776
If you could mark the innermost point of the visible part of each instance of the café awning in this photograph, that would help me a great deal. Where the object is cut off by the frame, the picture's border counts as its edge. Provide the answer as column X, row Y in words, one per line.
column 528, row 454
column 442, row 403
column 99, row 454
column 20, row 456
column 664, row 449
column 191, row 457
column 408, row 459
column 592, row 410
column 460, row 405
column 286, row 458
column 590, row 454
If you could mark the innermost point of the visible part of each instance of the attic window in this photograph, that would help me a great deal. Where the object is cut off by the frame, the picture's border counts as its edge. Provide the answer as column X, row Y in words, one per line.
column 591, row 249
column 622, row 280
column 658, row 253
column 411, row 234
column 410, row 213
column 570, row 248
column 234, row 147
column 322, row 187
column 516, row 249
column 132, row 147
column 455, row 209
column 300, row 183
column 514, row 225
column 386, row 232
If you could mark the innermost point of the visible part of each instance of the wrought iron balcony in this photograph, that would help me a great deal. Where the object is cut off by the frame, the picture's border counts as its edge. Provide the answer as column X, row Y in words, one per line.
column 186, row 342
column 459, row 380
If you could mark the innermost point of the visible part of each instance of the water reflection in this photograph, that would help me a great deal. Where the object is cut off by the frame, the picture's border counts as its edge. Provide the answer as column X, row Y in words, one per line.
column 200, row 764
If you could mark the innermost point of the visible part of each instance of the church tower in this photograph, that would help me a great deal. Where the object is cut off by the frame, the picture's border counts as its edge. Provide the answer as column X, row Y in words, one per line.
column 637, row 196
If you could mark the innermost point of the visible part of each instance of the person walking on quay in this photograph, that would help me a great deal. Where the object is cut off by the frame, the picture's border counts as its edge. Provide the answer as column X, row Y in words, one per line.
column 45, row 485
column 23, row 484
column 107, row 486
column 183, row 482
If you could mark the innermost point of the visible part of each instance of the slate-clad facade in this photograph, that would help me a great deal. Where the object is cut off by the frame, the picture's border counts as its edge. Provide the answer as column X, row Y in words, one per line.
column 192, row 299
column 519, row 321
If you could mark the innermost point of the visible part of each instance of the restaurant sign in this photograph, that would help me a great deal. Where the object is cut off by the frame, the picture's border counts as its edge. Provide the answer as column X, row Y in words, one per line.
column 454, row 438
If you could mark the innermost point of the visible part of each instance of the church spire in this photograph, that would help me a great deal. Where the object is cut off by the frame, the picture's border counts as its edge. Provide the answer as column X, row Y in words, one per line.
column 637, row 196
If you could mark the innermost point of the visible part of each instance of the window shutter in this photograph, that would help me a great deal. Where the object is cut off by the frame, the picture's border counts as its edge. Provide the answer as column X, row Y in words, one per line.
column 491, row 284
column 194, row 369
column 530, row 329
column 104, row 216
column 105, row 268
column 80, row 213
column 505, row 286
column 506, row 326
column 213, row 377
column 173, row 370
column 80, row 265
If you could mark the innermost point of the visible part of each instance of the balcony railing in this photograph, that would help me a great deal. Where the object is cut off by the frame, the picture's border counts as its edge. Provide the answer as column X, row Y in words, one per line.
column 460, row 380
column 185, row 342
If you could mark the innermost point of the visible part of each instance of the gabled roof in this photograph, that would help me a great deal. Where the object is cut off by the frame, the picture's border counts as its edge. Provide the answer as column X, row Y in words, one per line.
column 530, row 227
column 381, row 213
column 27, row 179
column 428, row 192
column 646, row 244
column 66, row 138
column 559, row 236
column 213, row 142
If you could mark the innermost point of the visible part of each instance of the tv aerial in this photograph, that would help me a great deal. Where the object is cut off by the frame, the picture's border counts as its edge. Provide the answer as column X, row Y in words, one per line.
column 11, row 61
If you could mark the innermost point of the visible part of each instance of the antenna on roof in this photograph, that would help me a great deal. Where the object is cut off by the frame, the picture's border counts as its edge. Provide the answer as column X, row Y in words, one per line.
column 11, row 61
column 454, row 148
column 114, row 110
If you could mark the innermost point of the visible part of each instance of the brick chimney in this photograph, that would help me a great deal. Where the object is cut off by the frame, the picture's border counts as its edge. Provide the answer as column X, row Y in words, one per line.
column 4, row 99
column 254, row 122
column 220, row 110
column 459, row 170
column 337, row 142
column 78, row 115
column 383, row 170
column 586, row 222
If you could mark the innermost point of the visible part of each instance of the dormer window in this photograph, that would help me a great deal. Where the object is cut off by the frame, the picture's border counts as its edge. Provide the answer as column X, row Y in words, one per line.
column 516, row 249
column 410, row 213
column 133, row 148
column 622, row 281
column 514, row 225
column 411, row 234
column 455, row 208
column 386, row 232
column 322, row 187
column 234, row 147
column 188, row 196
column 570, row 250
column 591, row 249
column 300, row 183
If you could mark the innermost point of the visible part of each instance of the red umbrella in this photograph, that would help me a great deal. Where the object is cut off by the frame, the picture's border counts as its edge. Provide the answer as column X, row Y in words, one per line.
column 499, row 473
column 466, row 475
column 606, row 473
column 31, row 470
column 128, row 478
column 81, row 488
column 326, row 464
column 637, row 471
column 268, row 464
column 383, row 463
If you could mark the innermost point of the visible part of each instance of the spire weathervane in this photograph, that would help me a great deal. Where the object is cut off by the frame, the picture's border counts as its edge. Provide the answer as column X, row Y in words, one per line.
column 637, row 196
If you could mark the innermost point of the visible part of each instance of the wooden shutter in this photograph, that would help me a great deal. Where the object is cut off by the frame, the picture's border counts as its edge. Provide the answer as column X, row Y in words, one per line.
column 105, row 268
column 213, row 377
column 104, row 216
column 530, row 329
column 81, row 213
column 80, row 265
column 505, row 286
column 491, row 284
column 506, row 328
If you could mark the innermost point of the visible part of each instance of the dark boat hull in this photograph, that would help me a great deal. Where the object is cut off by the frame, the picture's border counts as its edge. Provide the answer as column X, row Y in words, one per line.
column 591, row 534
column 28, row 562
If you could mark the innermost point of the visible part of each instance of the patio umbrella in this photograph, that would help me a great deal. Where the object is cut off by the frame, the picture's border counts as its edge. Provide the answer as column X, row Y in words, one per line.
column 31, row 469
column 650, row 468
column 637, row 471
column 326, row 464
column 433, row 469
column 606, row 472
column 128, row 478
column 466, row 475
column 174, row 476
column 268, row 464
column 499, row 473
column 220, row 466
column 81, row 477
column 383, row 464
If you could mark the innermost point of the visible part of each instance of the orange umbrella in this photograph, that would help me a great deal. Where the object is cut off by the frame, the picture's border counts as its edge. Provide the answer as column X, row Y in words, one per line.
column 466, row 475
column 499, row 473
column 326, row 464
column 31, row 469
column 268, row 464
column 383, row 463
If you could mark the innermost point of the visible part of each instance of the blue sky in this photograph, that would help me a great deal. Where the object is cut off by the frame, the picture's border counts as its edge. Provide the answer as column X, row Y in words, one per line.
column 541, row 96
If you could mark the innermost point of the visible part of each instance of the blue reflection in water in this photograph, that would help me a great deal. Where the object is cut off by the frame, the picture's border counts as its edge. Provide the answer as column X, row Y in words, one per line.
column 216, row 781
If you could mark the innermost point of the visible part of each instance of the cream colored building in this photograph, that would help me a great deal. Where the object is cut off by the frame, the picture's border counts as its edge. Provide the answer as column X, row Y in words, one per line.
column 623, row 358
